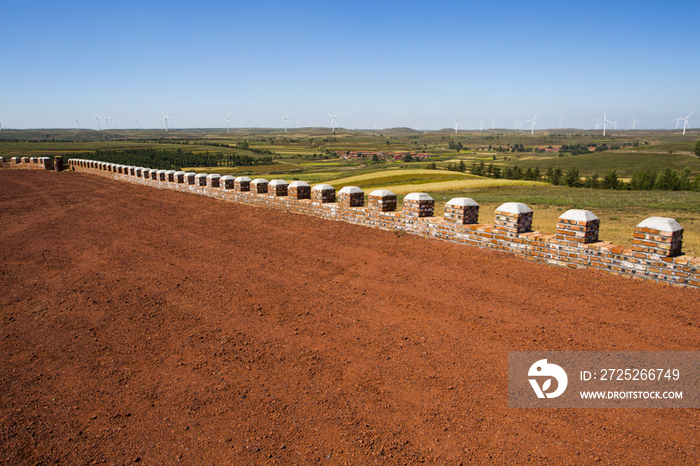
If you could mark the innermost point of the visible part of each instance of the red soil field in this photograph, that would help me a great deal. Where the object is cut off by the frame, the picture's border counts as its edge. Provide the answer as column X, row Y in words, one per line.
column 156, row 327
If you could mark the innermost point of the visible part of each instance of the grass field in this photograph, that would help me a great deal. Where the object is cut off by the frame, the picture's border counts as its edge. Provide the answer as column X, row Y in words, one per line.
column 624, row 162
column 402, row 182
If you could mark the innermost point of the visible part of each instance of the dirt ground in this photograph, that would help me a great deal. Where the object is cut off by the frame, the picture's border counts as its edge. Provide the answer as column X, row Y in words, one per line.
column 154, row 327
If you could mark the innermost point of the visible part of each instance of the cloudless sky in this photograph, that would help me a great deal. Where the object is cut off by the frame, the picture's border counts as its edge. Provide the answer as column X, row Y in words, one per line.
column 391, row 63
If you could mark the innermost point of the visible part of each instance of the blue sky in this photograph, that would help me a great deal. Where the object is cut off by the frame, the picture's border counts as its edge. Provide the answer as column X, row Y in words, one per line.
column 381, row 63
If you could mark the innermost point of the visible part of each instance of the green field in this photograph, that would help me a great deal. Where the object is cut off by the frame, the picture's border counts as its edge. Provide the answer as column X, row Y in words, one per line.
column 313, row 155
column 624, row 162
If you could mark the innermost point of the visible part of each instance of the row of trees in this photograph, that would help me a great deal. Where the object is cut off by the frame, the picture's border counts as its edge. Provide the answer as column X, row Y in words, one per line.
column 667, row 180
column 170, row 159
column 245, row 145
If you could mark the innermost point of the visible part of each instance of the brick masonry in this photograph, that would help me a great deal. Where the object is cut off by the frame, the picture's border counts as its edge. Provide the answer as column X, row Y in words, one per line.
column 299, row 190
column 277, row 188
column 242, row 184
column 382, row 200
column 33, row 163
column 259, row 186
column 324, row 193
column 351, row 196
column 462, row 210
column 655, row 255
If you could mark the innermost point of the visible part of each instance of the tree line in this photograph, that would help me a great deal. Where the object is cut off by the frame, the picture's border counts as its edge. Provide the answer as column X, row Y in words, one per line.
column 645, row 180
column 667, row 180
column 245, row 145
column 170, row 159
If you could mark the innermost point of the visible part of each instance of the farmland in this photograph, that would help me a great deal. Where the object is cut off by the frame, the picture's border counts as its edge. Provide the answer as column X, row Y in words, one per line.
column 346, row 158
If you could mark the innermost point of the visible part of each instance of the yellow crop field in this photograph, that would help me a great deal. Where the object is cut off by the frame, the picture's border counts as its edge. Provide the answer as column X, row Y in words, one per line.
column 460, row 185
column 431, row 181
column 390, row 174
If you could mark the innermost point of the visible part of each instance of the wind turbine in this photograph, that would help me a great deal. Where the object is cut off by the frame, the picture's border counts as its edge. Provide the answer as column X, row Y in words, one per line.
column 685, row 121
column 98, row 121
column 77, row 125
column 605, row 122
column 285, row 121
column 481, row 124
column 0, row 124
column 493, row 123
column 228, row 122
column 456, row 120
column 107, row 120
column 333, row 120
column 560, row 120
column 634, row 122
column 165, row 119
column 137, row 123
column 533, row 123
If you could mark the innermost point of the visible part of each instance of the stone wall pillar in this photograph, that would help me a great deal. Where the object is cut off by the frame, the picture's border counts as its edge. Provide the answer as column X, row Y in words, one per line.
column 213, row 180
column 351, row 196
column 299, row 190
column 190, row 178
column 259, row 186
column 418, row 205
column 200, row 179
column 382, row 200
column 462, row 211
column 578, row 226
column 277, row 188
column 658, row 236
column 241, row 184
column 513, row 218
column 324, row 193
column 226, row 182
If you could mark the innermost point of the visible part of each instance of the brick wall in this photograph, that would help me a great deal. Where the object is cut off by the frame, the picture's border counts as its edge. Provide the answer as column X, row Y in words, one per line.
column 34, row 163
column 655, row 254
